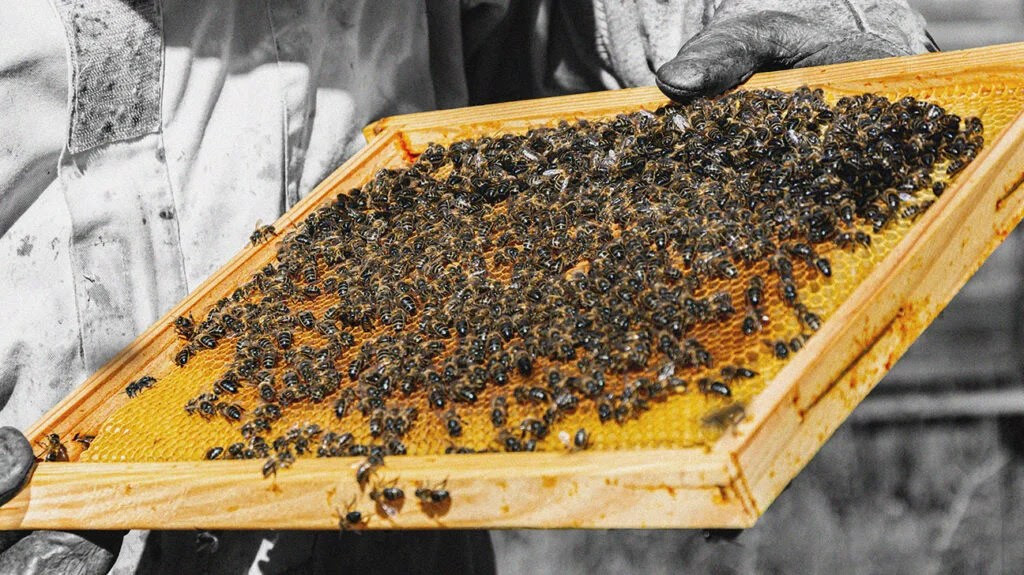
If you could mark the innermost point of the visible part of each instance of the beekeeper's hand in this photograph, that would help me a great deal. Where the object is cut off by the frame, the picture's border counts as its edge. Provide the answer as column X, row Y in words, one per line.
column 745, row 36
column 84, row 553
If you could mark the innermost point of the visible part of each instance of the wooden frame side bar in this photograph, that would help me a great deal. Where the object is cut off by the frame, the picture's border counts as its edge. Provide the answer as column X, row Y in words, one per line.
column 820, row 387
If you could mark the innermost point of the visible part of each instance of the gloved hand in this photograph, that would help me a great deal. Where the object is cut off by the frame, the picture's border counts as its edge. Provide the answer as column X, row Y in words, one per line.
column 745, row 36
column 83, row 553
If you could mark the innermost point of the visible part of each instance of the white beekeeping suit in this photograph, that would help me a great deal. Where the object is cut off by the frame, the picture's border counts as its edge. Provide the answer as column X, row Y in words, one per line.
column 142, row 140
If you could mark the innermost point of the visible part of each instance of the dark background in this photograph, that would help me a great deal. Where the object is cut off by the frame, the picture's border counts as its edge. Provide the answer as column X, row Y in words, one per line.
column 927, row 475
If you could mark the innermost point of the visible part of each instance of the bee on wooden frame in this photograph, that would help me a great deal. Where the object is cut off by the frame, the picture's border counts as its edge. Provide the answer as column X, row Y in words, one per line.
column 53, row 449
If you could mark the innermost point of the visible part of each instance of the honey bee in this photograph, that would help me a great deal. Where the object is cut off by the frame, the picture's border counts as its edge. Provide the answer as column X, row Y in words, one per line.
column 509, row 442
column 285, row 339
column 53, row 449
column 388, row 497
column 722, row 304
column 783, row 266
column 436, row 396
column 283, row 459
column 306, row 319
column 579, row 441
column 755, row 292
column 534, row 427
column 525, row 365
column 453, row 423
column 725, row 417
column 267, row 391
column 435, row 494
column 84, row 440
column 824, row 266
column 376, row 422
column 230, row 411
column 185, row 327
column 399, row 420
column 344, row 403
column 732, row 373
column 788, row 291
column 261, row 234
column 204, row 404
column 351, row 518
column 184, row 354
column 207, row 341
column 715, row 387
column 808, row 318
column 368, row 468
column 228, row 383
column 135, row 387
column 779, row 348
column 499, row 411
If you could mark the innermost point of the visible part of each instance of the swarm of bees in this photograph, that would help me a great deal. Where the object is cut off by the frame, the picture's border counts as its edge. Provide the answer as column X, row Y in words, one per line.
column 566, row 268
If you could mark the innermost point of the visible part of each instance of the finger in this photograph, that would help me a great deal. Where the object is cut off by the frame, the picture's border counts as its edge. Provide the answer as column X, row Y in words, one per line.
column 16, row 460
column 852, row 49
column 727, row 52
column 56, row 552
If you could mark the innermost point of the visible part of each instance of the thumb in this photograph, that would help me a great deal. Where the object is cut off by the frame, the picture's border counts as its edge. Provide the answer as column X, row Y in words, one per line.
column 728, row 51
column 16, row 460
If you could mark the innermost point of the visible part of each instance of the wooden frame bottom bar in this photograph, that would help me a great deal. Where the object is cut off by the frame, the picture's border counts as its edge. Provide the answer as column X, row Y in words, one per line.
column 668, row 488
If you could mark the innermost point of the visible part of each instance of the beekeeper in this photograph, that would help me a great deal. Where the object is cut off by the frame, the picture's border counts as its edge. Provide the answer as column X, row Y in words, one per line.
column 141, row 140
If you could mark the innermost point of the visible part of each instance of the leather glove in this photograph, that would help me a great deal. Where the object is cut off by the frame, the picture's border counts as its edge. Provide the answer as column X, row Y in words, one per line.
column 745, row 36
column 81, row 553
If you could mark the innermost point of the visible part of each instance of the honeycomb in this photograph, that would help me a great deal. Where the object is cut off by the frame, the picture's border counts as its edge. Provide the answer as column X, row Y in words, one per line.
column 155, row 426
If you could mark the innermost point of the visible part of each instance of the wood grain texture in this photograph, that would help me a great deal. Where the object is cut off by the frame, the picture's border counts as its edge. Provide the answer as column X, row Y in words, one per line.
column 666, row 488
column 727, row 486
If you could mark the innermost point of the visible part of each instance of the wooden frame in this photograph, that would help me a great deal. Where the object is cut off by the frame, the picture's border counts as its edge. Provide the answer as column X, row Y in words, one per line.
column 730, row 485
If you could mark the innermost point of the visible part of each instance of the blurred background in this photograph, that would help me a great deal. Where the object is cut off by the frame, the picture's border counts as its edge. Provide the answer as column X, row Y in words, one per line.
column 927, row 475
